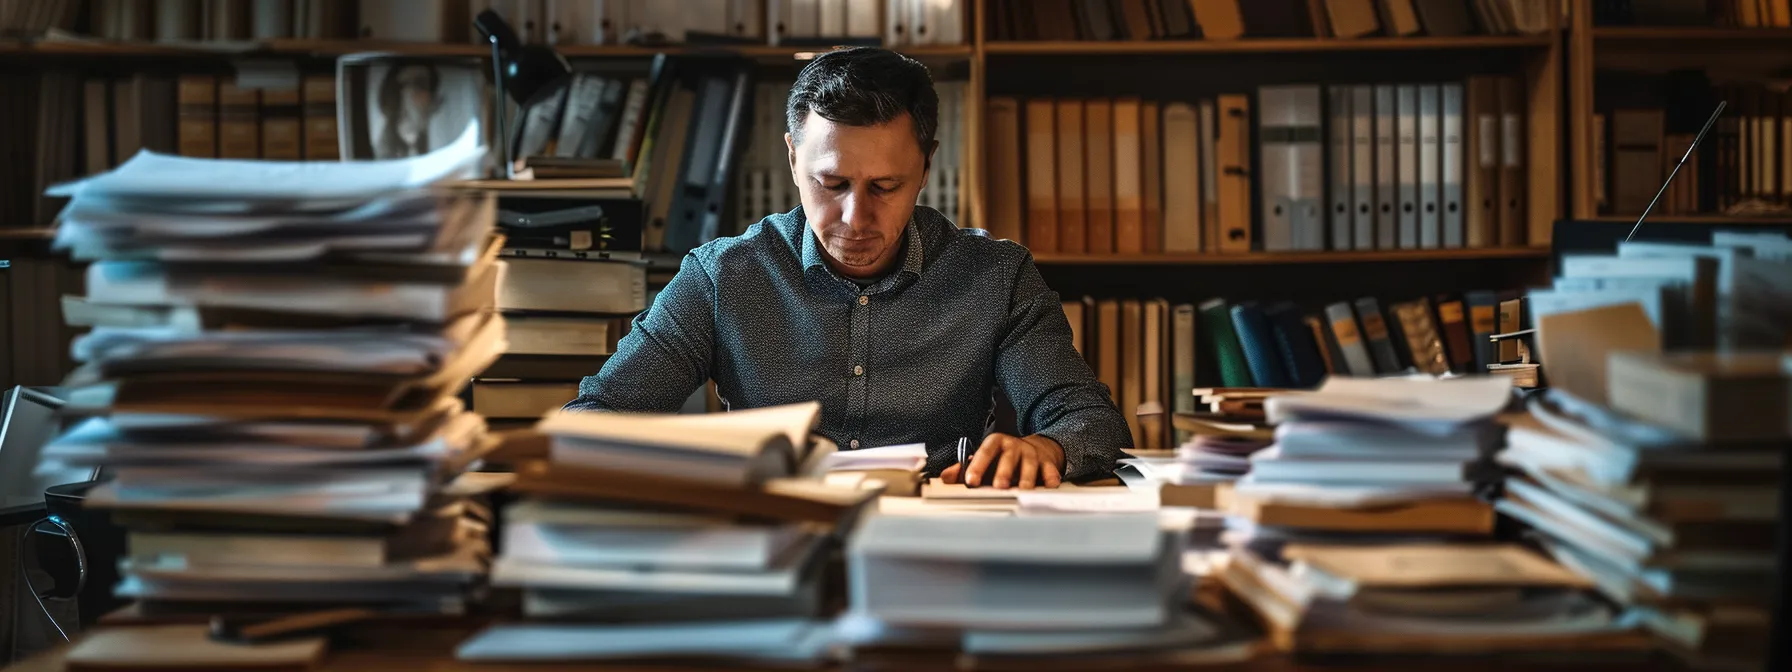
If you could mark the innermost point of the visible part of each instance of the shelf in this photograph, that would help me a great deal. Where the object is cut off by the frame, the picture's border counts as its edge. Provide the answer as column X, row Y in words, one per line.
column 1269, row 45
column 1763, row 220
column 334, row 48
column 1271, row 258
column 1680, row 34
column 27, row 234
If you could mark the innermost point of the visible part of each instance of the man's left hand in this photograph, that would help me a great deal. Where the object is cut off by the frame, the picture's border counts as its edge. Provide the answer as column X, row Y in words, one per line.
column 1023, row 461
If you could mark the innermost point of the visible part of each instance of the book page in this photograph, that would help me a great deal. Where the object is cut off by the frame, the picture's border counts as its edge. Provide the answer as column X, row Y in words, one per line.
column 1091, row 539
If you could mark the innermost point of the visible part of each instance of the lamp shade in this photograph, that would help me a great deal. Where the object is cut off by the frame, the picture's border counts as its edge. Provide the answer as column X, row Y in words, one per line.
column 528, row 70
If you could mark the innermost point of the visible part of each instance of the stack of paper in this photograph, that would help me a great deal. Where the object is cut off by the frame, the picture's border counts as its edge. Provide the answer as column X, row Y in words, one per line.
column 1679, row 528
column 1389, row 466
column 271, row 377
column 638, row 526
column 1062, row 588
column 894, row 469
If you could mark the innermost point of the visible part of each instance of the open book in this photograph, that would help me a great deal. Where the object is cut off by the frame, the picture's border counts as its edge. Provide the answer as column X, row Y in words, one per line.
column 736, row 448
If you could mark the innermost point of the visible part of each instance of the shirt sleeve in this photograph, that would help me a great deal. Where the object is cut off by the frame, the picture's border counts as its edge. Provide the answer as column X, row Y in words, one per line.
column 665, row 356
column 1052, row 389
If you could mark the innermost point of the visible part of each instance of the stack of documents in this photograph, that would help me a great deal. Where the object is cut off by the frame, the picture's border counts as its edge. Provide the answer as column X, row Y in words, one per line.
column 1679, row 528
column 1389, row 471
column 1084, row 588
column 271, row 374
column 639, row 525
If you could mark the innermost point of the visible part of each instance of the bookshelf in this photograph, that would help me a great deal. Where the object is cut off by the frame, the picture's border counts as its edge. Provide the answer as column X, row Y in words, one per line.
column 1729, row 55
column 1274, row 258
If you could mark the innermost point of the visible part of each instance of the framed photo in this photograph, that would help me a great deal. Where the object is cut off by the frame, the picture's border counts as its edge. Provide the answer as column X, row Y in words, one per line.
column 392, row 106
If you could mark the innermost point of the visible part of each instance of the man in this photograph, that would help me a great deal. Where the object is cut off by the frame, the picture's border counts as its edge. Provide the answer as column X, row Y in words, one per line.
column 902, row 325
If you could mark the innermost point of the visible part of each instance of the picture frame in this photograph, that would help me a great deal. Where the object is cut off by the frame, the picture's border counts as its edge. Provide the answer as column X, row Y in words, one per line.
column 392, row 106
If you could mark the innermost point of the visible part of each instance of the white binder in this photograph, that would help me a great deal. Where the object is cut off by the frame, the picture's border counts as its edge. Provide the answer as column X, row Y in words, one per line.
column 1453, row 165
column 1430, row 154
column 1387, row 167
column 1276, row 174
column 864, row 19
column 831, row 18
column 1406, row 100
column 1309, row 167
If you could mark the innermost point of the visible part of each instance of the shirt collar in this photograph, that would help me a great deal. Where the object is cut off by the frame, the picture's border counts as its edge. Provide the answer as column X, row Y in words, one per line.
column 912, row 261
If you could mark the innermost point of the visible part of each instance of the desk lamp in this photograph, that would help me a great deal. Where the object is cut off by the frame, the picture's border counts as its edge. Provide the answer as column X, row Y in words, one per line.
column 524, row 72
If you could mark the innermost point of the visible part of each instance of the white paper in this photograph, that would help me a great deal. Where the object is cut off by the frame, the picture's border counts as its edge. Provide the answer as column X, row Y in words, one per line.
column 202, row 182
column 1087, row 539
column 543, row 641
column 1047, row 501
column 1432, row 406
column 905, row 456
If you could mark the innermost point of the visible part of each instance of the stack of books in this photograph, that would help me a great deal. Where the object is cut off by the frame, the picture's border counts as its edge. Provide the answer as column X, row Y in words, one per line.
column 1081, row 589
column 1362, row 529
column 1669, row 498
column 663, row 524
column 270, row 378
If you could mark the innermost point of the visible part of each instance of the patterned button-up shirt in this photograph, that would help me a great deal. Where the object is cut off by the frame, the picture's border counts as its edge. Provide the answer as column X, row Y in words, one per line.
column 915, row 357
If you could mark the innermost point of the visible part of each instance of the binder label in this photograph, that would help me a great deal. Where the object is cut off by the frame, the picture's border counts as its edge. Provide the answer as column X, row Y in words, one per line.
column 1374, row 327
column 1490, row 140
column 1450, row 313
column 1510, row 147
column 1483, row 319
column 1345, row 330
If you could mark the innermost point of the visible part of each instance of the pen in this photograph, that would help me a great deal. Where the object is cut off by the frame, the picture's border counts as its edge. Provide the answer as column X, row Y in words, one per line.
column 964, row 462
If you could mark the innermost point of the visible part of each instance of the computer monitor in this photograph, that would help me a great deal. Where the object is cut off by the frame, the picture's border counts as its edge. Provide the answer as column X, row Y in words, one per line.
column 27, row 422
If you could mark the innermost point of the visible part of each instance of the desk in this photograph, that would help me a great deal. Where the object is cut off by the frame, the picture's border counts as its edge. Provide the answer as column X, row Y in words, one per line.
column 429, row 646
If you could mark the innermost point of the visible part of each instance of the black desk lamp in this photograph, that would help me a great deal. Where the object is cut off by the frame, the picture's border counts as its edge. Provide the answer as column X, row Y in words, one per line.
column 524, row 72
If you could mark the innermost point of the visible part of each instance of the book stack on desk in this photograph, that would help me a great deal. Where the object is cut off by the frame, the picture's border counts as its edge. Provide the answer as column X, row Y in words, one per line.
column 271, row 374
column 1391, row 466
column 1081, row 589
column 1668, row 497
column 653, row 523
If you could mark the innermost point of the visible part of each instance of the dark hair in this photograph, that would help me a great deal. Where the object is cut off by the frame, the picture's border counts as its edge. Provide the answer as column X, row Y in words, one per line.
column 865, row 86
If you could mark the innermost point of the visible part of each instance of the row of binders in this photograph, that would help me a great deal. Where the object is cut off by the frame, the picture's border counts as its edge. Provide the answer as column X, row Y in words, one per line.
column 1744, row 164
column 1025, row 20
column 1337, row 167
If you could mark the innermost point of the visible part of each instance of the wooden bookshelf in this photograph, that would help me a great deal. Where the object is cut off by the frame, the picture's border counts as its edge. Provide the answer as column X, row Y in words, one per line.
column 1261, row 258
column 1674, row 36
column 27, row 234
column 294, row 48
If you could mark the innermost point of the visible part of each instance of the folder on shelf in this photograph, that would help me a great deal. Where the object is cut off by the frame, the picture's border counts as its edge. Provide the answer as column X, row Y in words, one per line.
column 1098, row 145
column 1132, row 365
column 1482, row 200
column 1006, row 197
column 1107, row 346
column 1512, row 163
column 1234, row 162
column 1398, row 17
column 1406, row 115
column 1210, row 198
column 1450, row 166
column 1430, row 175
column 1129, row 185
column 1290, row 165
column 1387, row 169
column 1219, row 19
column 1354, row 354
column 1182, row 179
column 1151, row 140
column 1340, row 138
column 1362, row 167
column 1042, row 176
column 1073, row 207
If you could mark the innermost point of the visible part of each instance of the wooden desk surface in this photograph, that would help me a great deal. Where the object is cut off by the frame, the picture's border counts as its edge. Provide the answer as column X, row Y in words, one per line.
column 430, row 648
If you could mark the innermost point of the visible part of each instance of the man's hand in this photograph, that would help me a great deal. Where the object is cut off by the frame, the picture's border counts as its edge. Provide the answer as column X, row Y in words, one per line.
column 1025, row 461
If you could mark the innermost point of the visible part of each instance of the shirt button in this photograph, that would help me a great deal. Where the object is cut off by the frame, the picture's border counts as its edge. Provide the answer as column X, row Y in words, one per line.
column 858, row 370
column 853, row 444
column 864, row 299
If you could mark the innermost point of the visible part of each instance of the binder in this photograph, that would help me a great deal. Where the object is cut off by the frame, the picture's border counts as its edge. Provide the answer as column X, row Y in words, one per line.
column 1344, row 331
column 1233, row 156
column 1042, row 175
column 1007, row 200
column 1362, row 167
column 1430, row 176
column 1155, row 365
column 1210, row 197
column 1450, row 167
column 1129, row 186
column 1387, row 169
column 864, row 20
column 1482, row 200
column 707, row 166
column 1276, row 170
column 1098, row 143
column 1073, row 231
column 1132, row 365
column 1150, row 138
column 1341, row 141
column 1407, row 163
column 1375, row 334
column 1181, row 171
column 1512, row 175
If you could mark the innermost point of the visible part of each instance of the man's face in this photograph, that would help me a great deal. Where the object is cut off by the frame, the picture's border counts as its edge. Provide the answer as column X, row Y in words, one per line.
column 859, row 185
